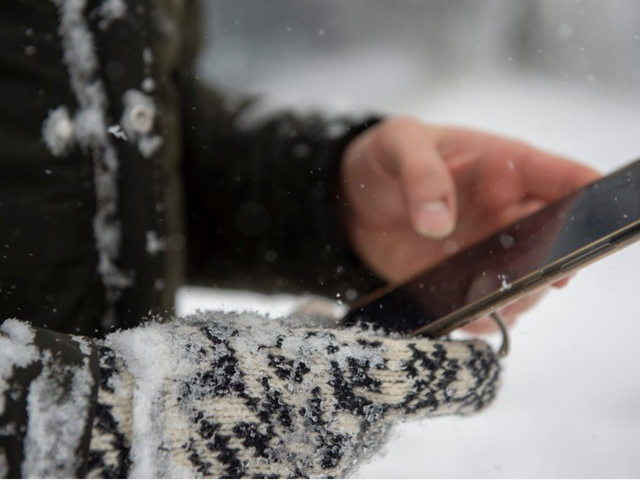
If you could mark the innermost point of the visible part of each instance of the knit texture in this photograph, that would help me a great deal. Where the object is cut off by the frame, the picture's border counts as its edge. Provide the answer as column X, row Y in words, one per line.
column 240, row 395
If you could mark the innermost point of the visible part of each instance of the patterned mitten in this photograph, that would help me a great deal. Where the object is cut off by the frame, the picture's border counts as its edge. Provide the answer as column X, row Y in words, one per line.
column 239, row 395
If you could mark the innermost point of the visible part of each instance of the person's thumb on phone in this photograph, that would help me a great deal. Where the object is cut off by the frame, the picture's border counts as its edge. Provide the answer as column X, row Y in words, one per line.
column 393, row 174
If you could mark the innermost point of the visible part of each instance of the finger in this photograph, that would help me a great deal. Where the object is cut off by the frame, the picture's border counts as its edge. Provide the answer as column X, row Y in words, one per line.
column 550, row 177
column 426, row 181
column 563, row 282
column 430, row 192
column 508, row 314
column 487, row 325
column 540, row 174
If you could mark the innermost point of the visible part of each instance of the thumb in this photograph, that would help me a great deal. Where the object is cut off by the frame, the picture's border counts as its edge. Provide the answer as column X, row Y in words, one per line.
column 402, row 178
column 427, row 183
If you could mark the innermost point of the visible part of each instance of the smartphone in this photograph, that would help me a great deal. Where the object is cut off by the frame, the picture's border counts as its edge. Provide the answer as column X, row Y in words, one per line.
column 524, row 257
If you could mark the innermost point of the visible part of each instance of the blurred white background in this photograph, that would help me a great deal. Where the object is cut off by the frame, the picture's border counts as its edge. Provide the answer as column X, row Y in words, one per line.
column 564, row 75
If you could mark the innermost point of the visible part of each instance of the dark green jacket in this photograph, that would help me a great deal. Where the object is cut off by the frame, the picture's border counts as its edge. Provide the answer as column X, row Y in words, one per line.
column 121, row 177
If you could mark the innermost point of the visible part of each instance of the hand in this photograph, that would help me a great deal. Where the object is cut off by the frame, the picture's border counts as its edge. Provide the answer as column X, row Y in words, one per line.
column 415, row 194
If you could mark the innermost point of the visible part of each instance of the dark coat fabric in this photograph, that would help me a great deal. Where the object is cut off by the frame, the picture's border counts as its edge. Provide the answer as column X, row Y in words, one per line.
column 122, row 177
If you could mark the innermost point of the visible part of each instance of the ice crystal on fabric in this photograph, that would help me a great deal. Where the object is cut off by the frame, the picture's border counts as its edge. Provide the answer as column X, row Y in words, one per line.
column 148, row 146
column 109, row 11
column 155, row 244
column 116, row 131
column 16, row 350
column 57, row 131
column 57, row 418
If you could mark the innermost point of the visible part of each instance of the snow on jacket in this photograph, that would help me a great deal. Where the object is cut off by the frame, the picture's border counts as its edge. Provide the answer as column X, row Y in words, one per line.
column 223, row 395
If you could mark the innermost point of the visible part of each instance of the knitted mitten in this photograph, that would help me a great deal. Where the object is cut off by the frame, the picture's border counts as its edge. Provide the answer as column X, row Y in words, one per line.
column 235, row 395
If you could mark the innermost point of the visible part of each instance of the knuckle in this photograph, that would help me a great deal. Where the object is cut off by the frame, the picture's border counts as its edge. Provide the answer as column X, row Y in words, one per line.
column 398, row 127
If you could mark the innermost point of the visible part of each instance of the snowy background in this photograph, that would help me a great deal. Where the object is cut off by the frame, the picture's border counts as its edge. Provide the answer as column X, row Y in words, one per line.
column 564, row 75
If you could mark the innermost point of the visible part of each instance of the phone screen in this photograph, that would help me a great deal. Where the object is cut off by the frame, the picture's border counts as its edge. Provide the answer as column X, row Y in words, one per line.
column 511, row 257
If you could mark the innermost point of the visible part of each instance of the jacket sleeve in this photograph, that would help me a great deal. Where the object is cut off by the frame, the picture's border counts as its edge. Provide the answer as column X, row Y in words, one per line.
column 229, row 396
column 262, row 197
column 48, row 392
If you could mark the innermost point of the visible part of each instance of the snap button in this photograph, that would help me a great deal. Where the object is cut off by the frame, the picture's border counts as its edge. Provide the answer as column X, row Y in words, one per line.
column 141, row 118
